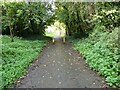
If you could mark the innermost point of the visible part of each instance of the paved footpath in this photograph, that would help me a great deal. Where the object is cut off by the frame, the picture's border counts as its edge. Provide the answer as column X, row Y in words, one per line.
column 59, row 66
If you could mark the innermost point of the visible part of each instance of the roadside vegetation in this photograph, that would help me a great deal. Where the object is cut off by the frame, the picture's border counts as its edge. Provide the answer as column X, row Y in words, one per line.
column 23, row 30
column 94, row 29
column 100, row 51
column 17, row 56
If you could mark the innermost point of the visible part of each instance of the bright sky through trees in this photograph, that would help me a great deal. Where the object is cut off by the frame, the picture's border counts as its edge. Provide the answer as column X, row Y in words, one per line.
column 57, row 29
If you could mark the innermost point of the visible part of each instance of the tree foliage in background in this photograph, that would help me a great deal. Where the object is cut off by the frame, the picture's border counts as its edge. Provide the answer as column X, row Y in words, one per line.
column 101, row 23
column 101, row 53
column 107, row 14
column 81, row 17
column 23, row 19
column 74, row 15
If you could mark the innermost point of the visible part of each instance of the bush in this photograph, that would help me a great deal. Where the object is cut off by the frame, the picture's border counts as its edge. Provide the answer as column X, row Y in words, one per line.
column 101, row 52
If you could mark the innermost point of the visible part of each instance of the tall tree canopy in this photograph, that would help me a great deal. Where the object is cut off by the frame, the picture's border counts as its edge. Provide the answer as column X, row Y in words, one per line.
column 81, row 17
column 21, row 19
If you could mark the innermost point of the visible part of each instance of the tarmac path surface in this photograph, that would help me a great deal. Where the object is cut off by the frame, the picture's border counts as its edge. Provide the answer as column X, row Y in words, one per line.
column 60, row 66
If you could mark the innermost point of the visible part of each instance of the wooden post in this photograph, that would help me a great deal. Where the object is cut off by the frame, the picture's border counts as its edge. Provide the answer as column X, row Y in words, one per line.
column 64, row 39
column 53, row 40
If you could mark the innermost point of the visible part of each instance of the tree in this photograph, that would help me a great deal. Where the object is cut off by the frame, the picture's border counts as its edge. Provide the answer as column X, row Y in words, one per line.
column 23, row 19
column 81, row 17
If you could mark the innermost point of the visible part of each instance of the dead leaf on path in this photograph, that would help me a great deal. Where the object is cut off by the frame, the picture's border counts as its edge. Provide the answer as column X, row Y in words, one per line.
column 83, row 70
column 61, row 65
column 48, row 55
column 50, row 77
column 18, row 81
column 45, row 65
column 69, row 53
column 59, row 82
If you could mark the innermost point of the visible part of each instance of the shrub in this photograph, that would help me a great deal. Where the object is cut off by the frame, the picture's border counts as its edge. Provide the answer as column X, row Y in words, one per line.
column 102, row 53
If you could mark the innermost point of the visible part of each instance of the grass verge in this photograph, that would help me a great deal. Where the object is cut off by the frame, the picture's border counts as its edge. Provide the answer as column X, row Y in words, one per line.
column 101, row 53
column 17, row 56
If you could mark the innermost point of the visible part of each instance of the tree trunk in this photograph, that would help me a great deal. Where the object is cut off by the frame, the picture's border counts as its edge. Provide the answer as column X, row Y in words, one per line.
column 11, row 33
column 79, row 23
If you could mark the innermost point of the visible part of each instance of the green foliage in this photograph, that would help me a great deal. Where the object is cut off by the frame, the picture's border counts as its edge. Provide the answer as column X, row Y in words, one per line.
column 17, row 56
column 101, row 52
column 25, row 19
column 107, row 14
column 76, row 16
column 81, row 17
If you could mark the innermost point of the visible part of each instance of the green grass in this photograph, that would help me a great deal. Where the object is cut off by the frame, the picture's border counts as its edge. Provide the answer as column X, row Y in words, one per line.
column 17, row 56
column 101, row 53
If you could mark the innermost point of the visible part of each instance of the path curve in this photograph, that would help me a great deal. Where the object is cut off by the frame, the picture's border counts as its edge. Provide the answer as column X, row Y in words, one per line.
column 59, row 66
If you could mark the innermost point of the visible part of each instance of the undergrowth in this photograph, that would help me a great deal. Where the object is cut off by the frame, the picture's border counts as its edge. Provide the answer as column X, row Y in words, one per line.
column 101, row 53
column 17, row 56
